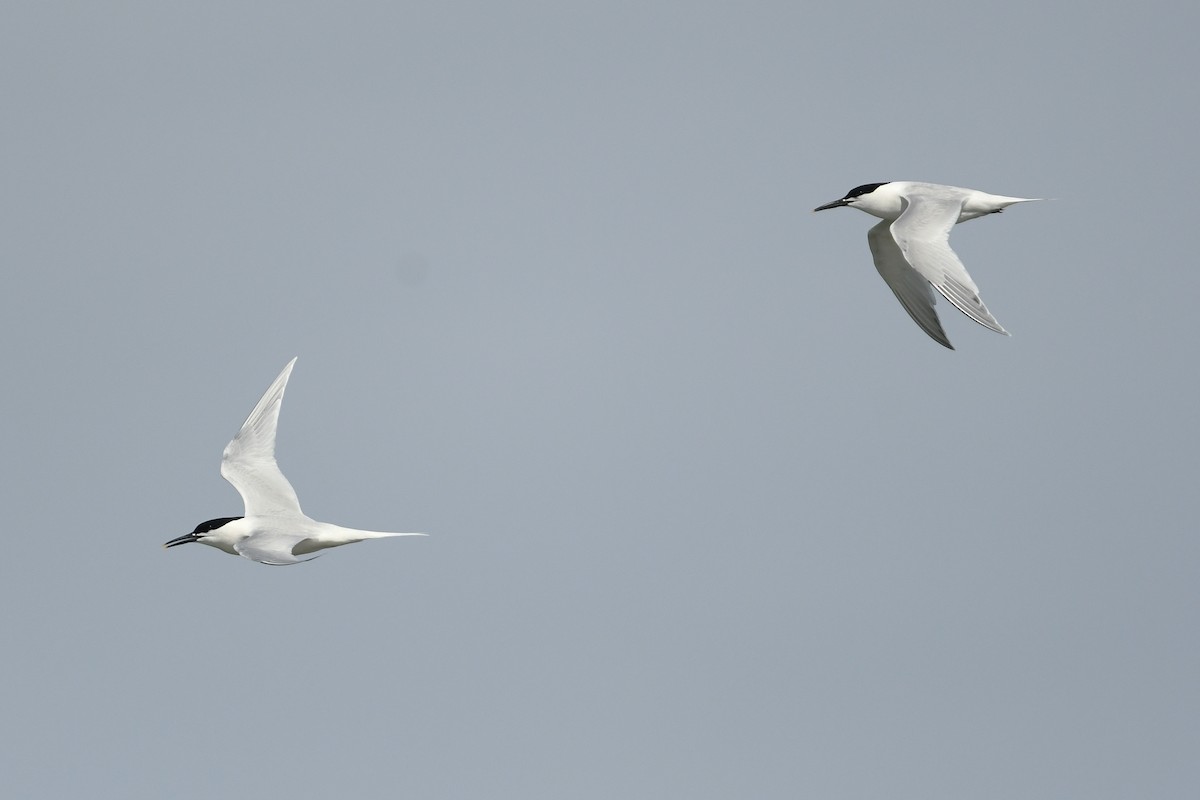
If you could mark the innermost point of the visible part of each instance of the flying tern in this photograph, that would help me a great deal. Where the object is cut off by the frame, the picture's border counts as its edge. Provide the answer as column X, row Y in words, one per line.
column 911, row 246
column 273, row 530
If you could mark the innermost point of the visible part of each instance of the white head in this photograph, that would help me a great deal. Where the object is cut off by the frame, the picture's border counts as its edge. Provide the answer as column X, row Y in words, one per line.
column 216, row 533
column 877, row 199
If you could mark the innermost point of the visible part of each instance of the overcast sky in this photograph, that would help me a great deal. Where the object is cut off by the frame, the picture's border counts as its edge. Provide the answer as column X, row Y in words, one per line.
column 710, row 516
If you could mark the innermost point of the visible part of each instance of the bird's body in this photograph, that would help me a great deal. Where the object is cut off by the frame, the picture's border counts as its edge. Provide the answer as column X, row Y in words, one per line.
column 911, row 247
column 274, row 530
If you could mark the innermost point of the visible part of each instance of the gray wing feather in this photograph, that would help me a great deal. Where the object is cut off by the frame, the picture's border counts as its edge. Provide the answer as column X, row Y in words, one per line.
column 910, row 287
column 922, row 233
column 249, row 460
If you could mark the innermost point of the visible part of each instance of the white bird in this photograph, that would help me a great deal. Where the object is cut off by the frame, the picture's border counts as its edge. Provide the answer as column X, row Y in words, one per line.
column 911, row 246
column 274, row 530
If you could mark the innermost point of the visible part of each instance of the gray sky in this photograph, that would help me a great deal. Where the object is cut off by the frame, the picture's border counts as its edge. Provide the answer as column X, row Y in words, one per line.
column 711, row 516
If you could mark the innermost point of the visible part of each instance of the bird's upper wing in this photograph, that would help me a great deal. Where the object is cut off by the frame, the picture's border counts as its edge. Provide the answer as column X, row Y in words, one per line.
column 249, row 460
column 923, row 234
column 911, row 288
column 271, row 548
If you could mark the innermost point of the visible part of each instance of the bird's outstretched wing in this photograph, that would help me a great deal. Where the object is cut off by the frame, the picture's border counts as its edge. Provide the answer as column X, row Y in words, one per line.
column 923, row 234
column 249, row 460
column 910, row 287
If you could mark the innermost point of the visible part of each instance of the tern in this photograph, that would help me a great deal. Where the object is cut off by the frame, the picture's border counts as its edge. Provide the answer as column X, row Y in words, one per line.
column 911, row 246
column 273, row 530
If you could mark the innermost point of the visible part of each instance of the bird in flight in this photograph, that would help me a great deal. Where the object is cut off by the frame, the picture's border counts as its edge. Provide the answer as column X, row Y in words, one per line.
column 911, row 247
column 273, row 530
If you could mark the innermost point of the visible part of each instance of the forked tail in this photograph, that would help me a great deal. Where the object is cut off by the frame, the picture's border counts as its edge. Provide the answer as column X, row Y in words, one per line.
column 355, row 535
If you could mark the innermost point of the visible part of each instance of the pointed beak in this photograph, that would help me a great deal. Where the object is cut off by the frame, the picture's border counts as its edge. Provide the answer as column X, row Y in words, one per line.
column 187, row 537
column 834, row 204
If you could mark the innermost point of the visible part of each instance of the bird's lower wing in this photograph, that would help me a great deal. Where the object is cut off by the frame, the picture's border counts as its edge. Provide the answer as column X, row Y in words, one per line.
column 922, row 233
column 910, row 287
column 273, row 549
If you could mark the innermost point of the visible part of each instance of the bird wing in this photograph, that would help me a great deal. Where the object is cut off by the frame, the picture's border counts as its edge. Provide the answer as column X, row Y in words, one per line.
column 249, row 460
column 923, row 234
column 271, row 548
column 910, row 287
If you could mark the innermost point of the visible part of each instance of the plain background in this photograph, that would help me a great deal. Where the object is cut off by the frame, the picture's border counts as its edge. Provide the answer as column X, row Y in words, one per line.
column 710, row 516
